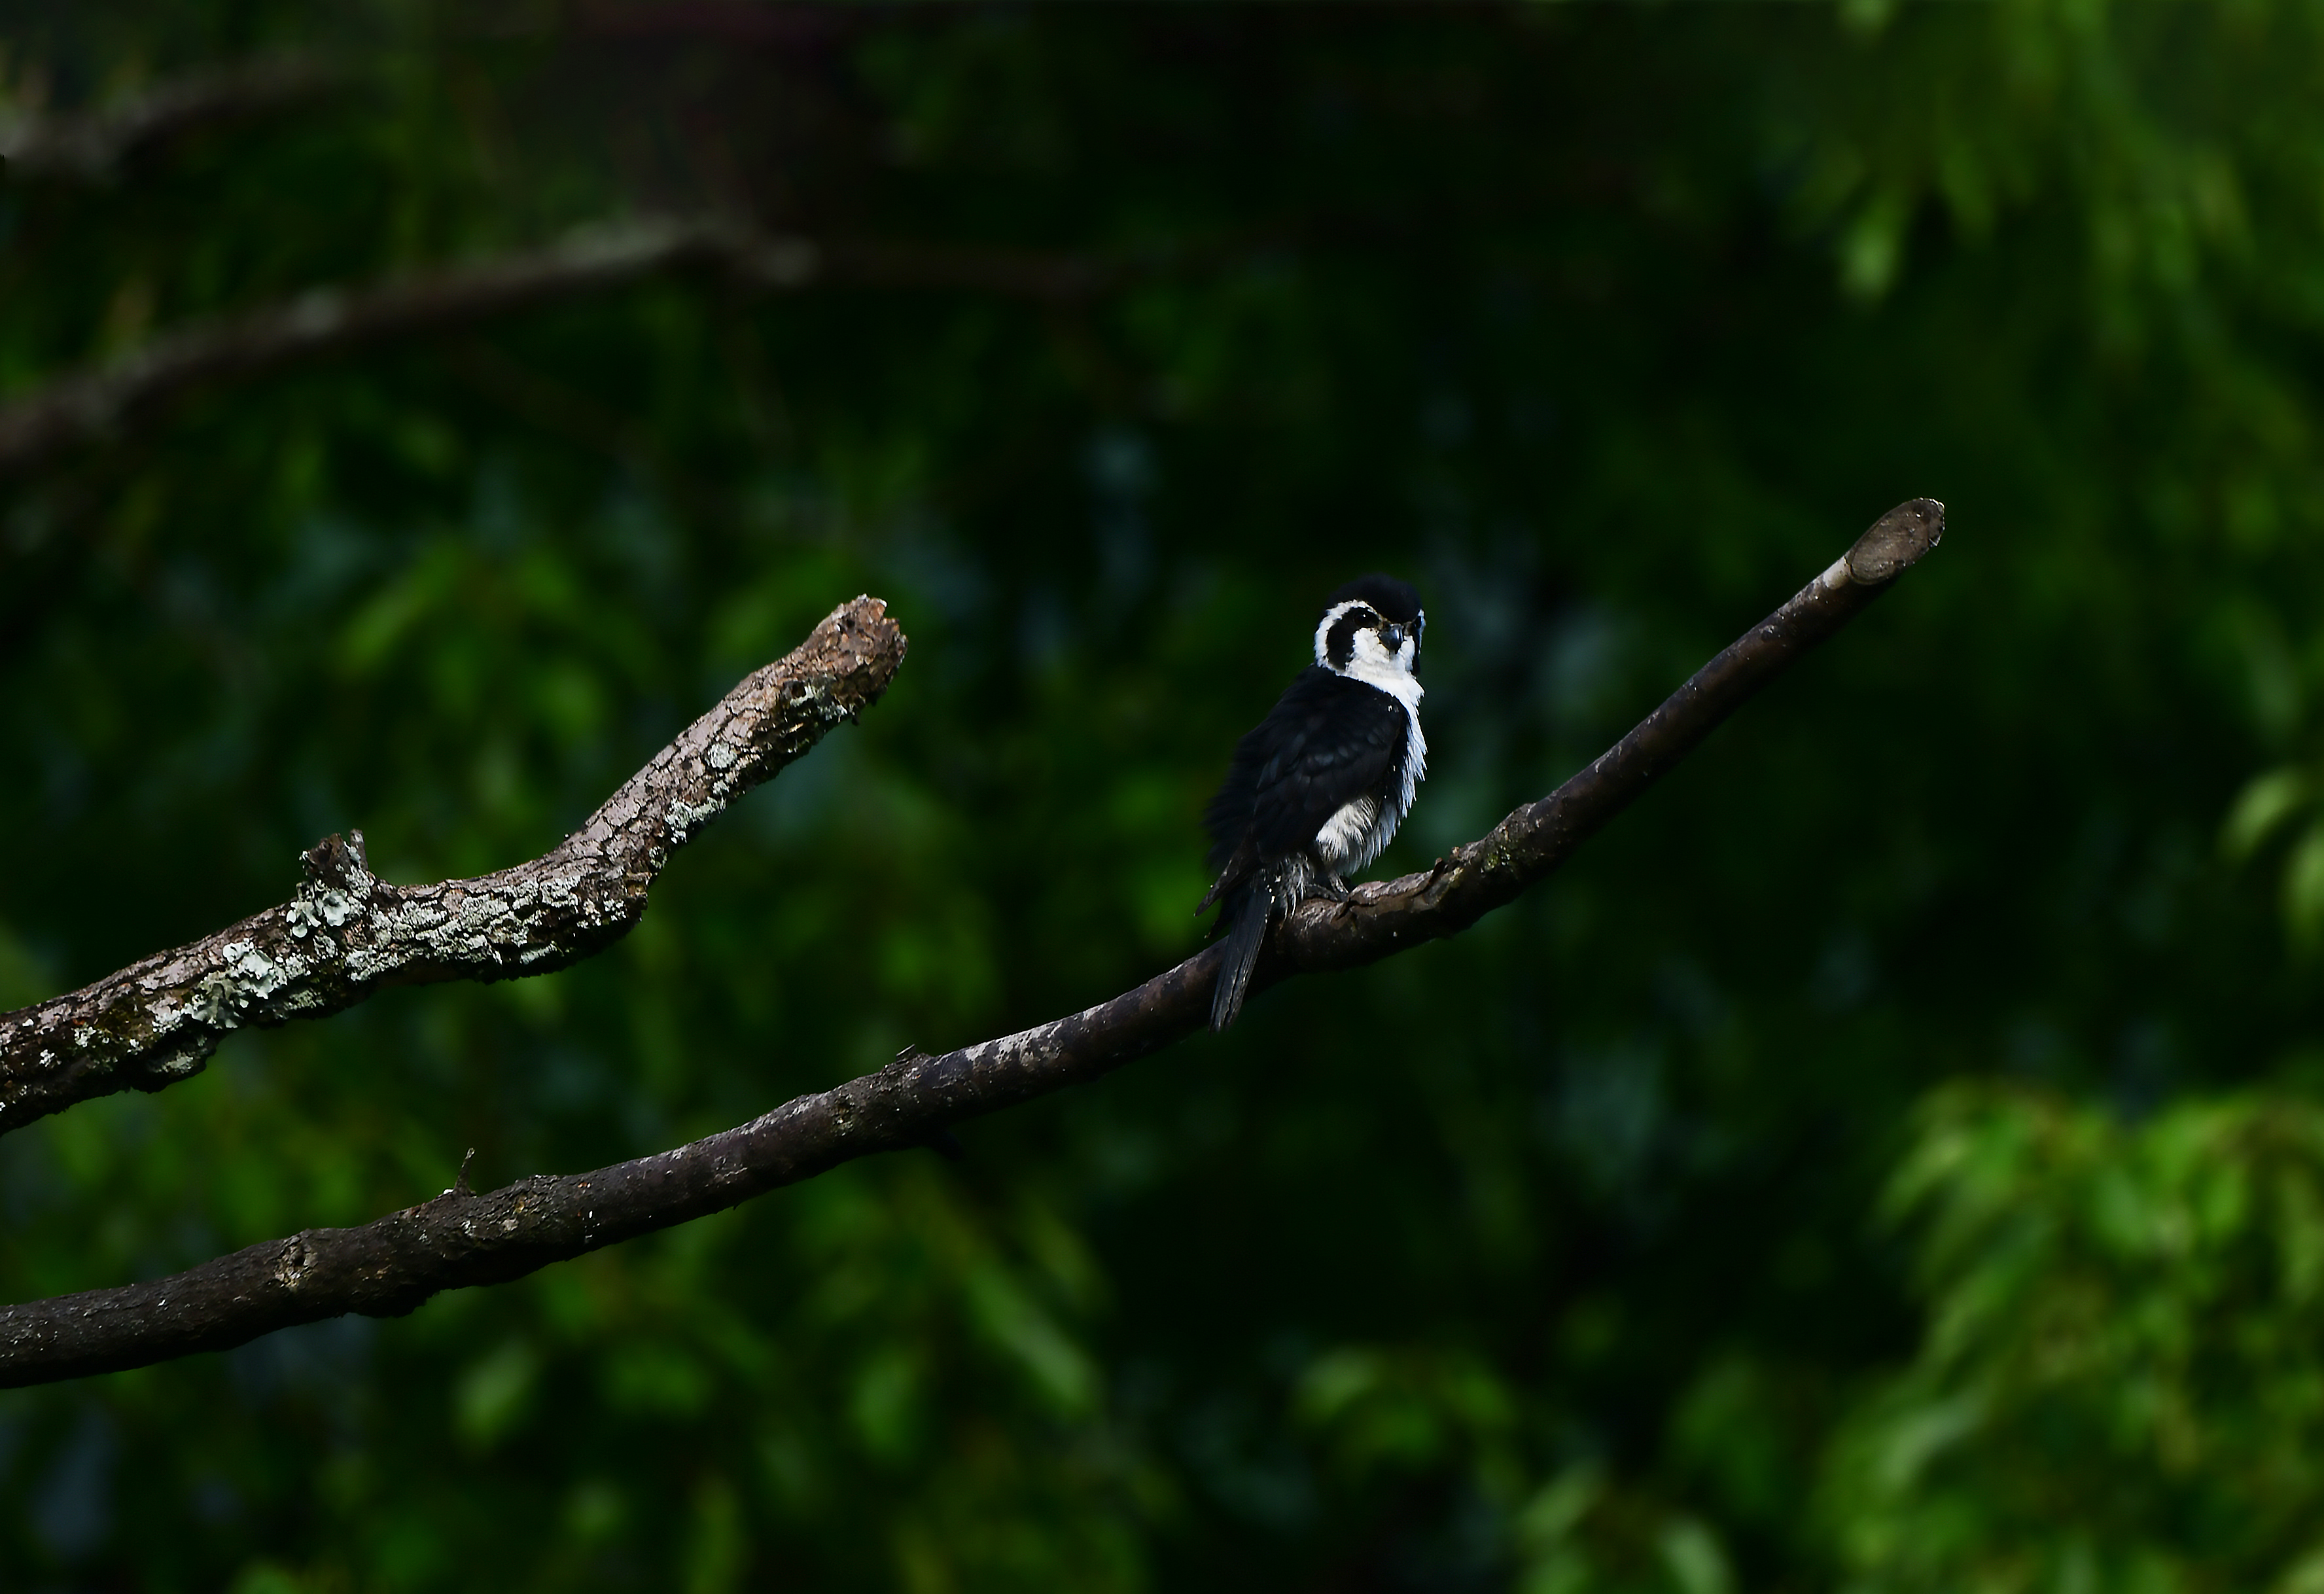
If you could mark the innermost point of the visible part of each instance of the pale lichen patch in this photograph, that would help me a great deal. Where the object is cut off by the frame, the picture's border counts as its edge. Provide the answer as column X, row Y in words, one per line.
column 685, row 817
column 313, row 909
column 212, row 1002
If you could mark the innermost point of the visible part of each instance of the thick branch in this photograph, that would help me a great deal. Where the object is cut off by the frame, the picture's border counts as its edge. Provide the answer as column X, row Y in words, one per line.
column 92, row 146
column 89, row 406
column 388, row 1268
column 347, row 932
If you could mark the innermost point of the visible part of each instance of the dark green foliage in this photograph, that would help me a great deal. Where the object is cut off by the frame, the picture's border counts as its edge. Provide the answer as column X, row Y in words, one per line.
column 1550, row 1257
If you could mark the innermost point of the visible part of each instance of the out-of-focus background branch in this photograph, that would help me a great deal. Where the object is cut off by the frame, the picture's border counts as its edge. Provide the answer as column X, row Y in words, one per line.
column 1812, row 1195
column 94, row 144
column 99, row 405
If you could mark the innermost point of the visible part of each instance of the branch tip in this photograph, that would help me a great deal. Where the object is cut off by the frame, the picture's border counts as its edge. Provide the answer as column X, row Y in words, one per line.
column 1896, row 542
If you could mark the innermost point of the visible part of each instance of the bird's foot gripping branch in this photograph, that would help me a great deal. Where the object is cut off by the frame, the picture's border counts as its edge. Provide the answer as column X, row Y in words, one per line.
column 389, row 1267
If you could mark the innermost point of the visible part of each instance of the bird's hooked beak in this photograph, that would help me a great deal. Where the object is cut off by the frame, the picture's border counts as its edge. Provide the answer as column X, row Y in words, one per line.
column 1391, row 636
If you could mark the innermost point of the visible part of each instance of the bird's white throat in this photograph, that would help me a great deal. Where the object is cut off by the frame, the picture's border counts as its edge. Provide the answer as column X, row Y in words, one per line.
column 1392, row 676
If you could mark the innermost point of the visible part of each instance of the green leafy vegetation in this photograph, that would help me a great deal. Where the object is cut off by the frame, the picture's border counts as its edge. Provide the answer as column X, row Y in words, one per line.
column 1889, row 1157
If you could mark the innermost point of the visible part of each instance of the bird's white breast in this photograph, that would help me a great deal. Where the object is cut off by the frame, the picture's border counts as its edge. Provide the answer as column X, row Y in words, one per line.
column 1360, row 831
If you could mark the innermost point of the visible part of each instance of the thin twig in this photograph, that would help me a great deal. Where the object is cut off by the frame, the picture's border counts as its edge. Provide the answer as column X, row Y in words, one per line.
column 347, row 932
column 388, row 1268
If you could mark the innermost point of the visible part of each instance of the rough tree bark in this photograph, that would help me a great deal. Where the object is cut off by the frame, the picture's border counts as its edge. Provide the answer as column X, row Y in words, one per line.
column 91, row 406
column 388, row 1268
column 347, row 932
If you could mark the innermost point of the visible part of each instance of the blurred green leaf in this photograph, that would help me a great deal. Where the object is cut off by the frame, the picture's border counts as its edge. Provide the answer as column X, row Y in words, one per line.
column 2261, row 809
column 491, row 1399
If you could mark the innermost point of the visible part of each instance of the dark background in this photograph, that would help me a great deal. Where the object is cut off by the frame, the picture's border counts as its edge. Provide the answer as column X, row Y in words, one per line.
column 1888, row 1157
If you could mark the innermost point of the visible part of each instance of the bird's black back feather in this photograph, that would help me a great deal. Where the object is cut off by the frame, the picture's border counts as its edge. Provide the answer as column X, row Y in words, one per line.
column 1328, row 740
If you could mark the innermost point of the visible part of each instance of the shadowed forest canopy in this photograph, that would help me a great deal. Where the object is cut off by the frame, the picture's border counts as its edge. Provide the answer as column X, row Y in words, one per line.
column 1890, row 1157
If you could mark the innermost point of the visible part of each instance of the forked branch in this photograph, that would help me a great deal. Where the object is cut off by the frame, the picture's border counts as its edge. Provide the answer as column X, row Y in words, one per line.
column 388, row 1268
column 347, row 932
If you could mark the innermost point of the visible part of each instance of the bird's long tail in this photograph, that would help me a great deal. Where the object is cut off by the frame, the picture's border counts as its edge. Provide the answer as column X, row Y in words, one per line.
column 1253, row 906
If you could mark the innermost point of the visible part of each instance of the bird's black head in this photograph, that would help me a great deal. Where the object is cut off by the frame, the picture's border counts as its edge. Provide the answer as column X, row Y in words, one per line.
column 1372, row 624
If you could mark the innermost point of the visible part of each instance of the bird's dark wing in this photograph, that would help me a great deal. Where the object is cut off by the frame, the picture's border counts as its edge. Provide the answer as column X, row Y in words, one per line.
column 1328, row 740
column 1345, row 737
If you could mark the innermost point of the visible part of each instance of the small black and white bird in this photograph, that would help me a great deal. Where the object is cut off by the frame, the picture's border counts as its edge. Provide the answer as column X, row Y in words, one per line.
column 1317, row 789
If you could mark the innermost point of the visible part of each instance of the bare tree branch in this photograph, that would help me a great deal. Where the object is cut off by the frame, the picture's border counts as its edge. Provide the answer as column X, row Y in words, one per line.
column 92, row 147
column 347, row 932
column 91, row 406
column 388, row 1268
